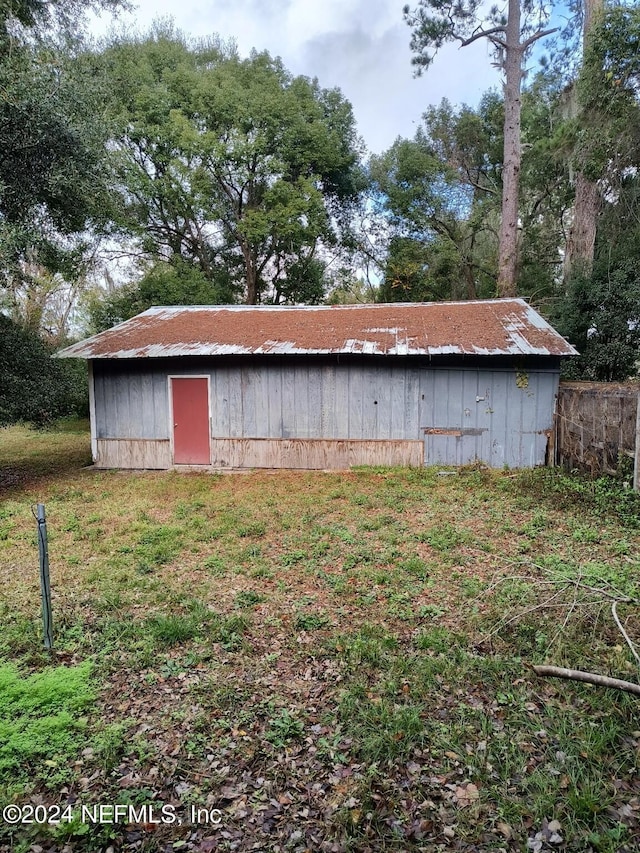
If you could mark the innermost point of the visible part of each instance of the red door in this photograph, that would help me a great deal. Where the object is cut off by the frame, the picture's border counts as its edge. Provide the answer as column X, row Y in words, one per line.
column 190, row 401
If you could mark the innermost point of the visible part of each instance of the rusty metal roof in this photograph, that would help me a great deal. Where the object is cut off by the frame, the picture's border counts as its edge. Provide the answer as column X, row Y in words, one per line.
column 483, row 327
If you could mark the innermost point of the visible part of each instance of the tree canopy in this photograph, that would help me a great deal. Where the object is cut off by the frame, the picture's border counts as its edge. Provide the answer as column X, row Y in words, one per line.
column 232, row 164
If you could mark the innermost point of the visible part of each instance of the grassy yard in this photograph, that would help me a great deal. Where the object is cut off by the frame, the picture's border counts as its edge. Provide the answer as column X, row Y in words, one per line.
column 316, row 662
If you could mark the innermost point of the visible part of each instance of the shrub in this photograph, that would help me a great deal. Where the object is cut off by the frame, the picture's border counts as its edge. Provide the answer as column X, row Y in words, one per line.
column 34, row 387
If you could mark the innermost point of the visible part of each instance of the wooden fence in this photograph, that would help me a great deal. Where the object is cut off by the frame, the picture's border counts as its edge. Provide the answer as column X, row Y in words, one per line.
column 597, row 428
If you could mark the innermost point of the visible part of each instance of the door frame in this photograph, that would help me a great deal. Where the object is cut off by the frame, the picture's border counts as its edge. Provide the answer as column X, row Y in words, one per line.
column 172, row 376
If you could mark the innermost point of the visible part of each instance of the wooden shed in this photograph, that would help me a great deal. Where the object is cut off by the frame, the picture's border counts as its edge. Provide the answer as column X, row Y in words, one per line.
column 324, row 386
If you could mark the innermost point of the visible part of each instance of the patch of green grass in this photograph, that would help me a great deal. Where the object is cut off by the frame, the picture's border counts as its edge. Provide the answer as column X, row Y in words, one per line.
column 248, row 598
column 605, row 497
column 158, row 545
column 416, row 567
column 19, row 636
column 444, row 537
column 382, row 729
column 171, row 629
column 41, row 718
column 215, row 565
column 311, row 621
column 29, row 454
column 252, row 529
column 290, row 558
column 229, row 632
column 435, row 639
column 371, row 645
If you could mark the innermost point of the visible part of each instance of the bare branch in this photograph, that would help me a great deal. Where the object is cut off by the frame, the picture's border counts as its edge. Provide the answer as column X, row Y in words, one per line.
column 528, row 42
column 482, row 34
column 588, row 677
column 623, row 632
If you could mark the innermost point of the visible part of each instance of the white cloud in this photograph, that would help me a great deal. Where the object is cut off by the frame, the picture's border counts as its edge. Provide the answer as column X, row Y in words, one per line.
column 361, row 46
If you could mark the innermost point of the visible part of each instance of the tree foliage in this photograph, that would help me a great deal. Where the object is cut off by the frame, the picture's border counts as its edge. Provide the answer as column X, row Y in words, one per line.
column 34, row 387
column 600, row 310
column 439, row 194
column 177, row 283
column 232, row 164
column 53, row 175
column 606, row 134
column 601, row 313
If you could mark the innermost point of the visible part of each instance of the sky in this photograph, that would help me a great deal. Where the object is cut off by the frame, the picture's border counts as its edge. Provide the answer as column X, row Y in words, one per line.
column 360, row 46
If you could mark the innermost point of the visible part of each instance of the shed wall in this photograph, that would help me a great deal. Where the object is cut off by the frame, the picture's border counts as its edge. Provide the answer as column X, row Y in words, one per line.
column 499, row 416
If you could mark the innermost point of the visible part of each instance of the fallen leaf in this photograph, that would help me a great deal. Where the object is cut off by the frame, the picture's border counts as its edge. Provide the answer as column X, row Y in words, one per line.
column 504, row 829
column 466, row 794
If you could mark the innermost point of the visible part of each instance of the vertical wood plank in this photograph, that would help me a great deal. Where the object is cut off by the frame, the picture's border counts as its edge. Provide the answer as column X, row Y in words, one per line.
column 249, row 392
column 288, row 400
column 274, row 391
column 342, row 402
column 135, row 410
column 92, row 412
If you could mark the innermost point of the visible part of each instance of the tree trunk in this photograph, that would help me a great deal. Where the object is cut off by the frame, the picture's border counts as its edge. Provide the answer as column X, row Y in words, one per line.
column 582, row 233
column 470, row 280
column 581, row 240
column 250, row 270
column 508, row 249
column 251, row 276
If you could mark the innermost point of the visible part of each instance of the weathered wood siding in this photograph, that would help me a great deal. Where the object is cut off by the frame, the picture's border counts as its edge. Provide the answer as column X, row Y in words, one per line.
column 131, row 400
column 499, row 417
column 373, row 411
column 133, row 453
column 312, row 453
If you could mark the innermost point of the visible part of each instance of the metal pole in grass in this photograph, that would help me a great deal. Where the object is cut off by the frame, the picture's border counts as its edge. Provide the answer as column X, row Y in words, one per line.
column 45, row 586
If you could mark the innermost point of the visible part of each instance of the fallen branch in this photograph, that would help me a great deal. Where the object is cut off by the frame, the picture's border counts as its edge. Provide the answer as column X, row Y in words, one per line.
column 623, row 632
column 588, row 677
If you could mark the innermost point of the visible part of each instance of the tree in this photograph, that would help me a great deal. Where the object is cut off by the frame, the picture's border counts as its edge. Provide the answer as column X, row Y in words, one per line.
column 232, row 164
column 601, row 313
column 35, row 19
column 33, row 386
column 437, row 194
column 582, row 230
column 435, row 22
column 52, row 148
column 546, row 195
column 177, row 283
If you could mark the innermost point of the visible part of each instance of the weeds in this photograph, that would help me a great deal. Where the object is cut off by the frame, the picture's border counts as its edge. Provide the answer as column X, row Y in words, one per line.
column 172, row 629
column 41, row 718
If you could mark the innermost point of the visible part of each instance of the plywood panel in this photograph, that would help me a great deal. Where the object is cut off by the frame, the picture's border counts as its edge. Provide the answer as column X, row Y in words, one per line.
column 313, row 453
column 133, row 453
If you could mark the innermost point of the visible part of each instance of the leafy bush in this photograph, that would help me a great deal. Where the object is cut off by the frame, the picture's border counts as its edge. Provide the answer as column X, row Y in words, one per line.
column 34, row 387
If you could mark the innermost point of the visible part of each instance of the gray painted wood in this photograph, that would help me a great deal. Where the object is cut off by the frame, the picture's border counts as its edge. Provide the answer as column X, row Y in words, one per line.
column 498, row 416
column 491, row 416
